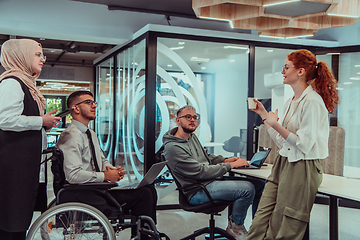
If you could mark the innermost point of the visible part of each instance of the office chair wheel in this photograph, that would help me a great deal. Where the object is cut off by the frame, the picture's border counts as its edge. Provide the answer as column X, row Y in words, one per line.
column 71, row 221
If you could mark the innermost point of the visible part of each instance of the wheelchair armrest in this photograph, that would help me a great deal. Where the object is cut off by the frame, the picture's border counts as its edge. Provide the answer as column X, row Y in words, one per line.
column 86, row 186
column 198, row 185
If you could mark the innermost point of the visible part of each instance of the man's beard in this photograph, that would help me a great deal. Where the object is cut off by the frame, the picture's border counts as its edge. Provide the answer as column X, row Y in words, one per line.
column 187, row 130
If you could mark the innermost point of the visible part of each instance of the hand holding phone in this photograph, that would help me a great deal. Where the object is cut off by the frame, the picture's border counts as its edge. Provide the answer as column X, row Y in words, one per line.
column 64, row 113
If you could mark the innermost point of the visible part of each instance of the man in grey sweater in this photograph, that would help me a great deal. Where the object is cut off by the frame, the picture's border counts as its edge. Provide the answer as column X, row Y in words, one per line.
column 191, row 163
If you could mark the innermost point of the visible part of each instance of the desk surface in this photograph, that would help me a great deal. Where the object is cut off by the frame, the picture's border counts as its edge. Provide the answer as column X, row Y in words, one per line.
column 341, row 187
column 213, row 144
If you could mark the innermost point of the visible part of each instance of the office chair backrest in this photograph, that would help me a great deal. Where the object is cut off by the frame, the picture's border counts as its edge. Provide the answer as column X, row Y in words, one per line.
column 234, row 145
column 183, row 201
column 333, row 164
column 265, row 141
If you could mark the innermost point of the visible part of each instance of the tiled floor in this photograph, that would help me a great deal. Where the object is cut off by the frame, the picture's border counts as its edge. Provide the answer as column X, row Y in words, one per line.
column 178, row 223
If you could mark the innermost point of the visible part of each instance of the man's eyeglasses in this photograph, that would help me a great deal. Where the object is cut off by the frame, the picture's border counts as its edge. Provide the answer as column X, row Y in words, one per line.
column 40, row 56
column 88, row 102
column 189, row 117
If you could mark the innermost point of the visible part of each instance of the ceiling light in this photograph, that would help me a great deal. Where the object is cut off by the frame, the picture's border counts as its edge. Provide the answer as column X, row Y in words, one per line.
column 177, row 48
column 338, row 88
column 309, row 35
column 332, row 54
column 231, row 24
column 262, row 35
column 56, row 83
column 169, row 65
column 273, row 4
column 72, row 45
column 212, row 18
column 235, row 47
column 181, row 43
column 355, row 78
column 342, row 15
column 203, row 67
column 270, row 50
column 232, row 60
column 196, row 59
column 347, row 83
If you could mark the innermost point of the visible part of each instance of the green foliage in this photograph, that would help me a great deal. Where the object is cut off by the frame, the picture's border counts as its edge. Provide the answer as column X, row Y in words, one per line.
column 53, row 104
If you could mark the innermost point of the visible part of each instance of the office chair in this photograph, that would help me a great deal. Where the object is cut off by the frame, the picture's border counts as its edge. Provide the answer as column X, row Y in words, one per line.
column 234, row 145
column 213, row 208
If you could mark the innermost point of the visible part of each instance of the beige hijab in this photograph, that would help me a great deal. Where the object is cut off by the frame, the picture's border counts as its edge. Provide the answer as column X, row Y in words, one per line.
column 17, row 56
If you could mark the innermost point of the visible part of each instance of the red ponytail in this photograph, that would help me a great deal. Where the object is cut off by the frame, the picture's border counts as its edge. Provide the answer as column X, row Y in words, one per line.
column 323, row 80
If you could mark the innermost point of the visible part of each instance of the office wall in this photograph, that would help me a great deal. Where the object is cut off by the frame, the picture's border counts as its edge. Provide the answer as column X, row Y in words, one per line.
column 231, row 89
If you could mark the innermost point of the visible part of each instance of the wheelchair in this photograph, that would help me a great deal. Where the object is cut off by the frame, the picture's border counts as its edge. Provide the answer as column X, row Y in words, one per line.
column 85, row 211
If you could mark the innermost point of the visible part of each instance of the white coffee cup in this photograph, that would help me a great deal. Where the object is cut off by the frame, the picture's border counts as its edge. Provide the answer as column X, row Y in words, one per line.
column 251, row 103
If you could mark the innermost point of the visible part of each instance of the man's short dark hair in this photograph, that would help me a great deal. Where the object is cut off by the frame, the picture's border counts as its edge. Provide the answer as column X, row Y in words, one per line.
column 72, row 99
column 189, row 107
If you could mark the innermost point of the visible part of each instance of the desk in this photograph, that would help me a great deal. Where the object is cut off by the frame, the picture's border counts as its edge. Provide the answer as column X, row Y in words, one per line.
column 213, row 144
column 333, row 186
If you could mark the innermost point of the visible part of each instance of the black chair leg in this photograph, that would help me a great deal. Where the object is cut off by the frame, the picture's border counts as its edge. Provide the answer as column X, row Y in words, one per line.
column 197, row 233
column 223, row 233
column 211, row 230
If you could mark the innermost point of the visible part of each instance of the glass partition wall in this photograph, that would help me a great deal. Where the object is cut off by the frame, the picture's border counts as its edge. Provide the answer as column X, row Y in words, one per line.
column 211, row 77
column 146, row 81
column 348, row 112
column 130, row 110
column 104, row 115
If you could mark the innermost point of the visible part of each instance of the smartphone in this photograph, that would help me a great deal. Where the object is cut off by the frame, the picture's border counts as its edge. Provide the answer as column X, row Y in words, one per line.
column 64, row 113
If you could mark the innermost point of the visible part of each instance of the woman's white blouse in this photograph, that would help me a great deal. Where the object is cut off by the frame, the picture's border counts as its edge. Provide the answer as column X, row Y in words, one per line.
column 307, row 120
column 11, row 107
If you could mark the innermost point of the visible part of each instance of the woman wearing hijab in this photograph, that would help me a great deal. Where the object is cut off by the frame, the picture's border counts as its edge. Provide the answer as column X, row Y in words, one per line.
column 22, row 134
column 302, row 138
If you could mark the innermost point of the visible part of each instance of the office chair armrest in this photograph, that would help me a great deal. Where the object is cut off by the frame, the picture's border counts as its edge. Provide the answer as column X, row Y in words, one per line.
column 86, row 186
column 196, row 186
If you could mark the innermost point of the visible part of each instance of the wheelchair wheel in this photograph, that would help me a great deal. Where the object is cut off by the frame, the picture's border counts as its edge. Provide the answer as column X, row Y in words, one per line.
column 52, row 203
column 71, row 221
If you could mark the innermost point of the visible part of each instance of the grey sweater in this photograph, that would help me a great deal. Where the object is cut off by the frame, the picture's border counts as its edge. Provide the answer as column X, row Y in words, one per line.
column 190, row 162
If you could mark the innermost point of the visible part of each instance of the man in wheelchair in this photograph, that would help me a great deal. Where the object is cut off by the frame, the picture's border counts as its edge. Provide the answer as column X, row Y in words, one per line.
column 84, row 161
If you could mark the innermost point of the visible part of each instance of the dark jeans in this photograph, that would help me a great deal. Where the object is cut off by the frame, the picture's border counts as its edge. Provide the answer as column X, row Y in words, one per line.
column 243, row 191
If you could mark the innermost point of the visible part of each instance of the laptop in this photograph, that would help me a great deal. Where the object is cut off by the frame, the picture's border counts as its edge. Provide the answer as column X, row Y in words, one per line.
column 149, row 177
column 257, row 160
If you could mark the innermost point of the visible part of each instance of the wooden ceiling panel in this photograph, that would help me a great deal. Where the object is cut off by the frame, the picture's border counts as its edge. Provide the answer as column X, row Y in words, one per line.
column 305, row 16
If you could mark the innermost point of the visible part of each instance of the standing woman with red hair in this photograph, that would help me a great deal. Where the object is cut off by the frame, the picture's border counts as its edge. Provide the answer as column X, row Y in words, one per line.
column 302, row 138
column 22, row 134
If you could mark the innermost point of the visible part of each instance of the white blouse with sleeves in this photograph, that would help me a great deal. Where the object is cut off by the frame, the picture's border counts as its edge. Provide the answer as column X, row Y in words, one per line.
column 11, row 108
column 307, row 120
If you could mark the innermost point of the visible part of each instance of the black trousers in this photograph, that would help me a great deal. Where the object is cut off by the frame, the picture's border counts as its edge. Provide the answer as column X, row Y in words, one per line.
column 4, row 235
column 140, row 201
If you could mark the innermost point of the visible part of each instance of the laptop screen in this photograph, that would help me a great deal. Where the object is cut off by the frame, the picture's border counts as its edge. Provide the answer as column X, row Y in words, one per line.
column 259, row 158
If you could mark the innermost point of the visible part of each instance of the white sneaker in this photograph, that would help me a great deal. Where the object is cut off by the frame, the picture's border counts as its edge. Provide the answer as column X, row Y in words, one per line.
column 239, row 232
